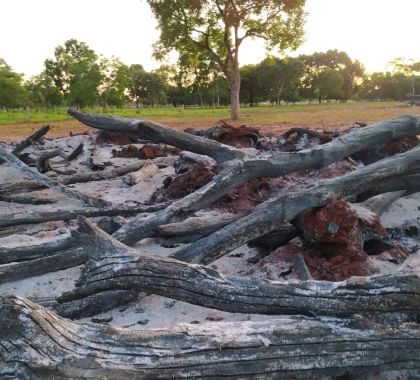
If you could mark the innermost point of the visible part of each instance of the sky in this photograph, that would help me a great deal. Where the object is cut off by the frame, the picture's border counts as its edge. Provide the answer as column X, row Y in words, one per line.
column 372, row 31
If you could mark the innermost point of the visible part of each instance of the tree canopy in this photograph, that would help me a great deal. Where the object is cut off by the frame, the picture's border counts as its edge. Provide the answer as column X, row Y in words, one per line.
column 76, row 72
column 12, row 92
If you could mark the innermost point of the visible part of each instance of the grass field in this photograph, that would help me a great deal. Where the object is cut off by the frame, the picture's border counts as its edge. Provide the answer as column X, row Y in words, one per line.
column 13, row 125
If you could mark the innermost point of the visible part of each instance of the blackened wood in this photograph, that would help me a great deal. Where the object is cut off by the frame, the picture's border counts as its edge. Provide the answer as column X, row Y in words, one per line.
column 18, row 164
column 35, row 251
column 29, row 217
column 115, row 266
column 64, row 259
column 282, row 208
column 29, row 140
column 35, row 343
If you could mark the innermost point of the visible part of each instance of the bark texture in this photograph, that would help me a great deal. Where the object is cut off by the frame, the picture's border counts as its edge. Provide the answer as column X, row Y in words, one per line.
column 114, row 266
column 26, row 217
column 35, row 343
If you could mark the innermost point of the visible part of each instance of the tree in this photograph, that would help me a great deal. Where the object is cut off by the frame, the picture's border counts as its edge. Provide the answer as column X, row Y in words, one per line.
column 279, row 78
column 157, row 84
column 218, row 28
column 407, row 68
column 250, row 89
column 138, row 83
column 328, row 85
column 42, row 91
column 351, row 71
column 76, row 72
column 12, row 92
column 115, row 82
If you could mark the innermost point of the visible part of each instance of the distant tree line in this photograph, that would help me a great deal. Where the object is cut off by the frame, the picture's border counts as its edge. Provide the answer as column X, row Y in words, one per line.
column 77, row 76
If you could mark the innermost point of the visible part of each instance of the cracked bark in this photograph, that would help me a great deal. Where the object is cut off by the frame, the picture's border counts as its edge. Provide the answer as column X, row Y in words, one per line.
column 35, row 343
column 114, row 266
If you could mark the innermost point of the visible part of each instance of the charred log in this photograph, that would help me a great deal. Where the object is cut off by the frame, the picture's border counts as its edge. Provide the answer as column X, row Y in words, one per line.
column 236, row 166
column 114, row 266
column 37, row 344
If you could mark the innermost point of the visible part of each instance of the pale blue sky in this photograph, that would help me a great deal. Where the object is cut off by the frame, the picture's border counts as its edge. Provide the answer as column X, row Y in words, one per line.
column 373, row 31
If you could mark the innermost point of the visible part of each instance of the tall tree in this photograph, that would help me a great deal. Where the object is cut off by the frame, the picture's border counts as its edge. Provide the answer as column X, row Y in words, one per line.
column 279, row 78
column 219, row 27
column 138, row 83
column 408, row 68
column 43, row 92
column 351, row 71
column 115, row 82
column 12, row 92
column 157, row 84
column 328, row 84
column 76, row 72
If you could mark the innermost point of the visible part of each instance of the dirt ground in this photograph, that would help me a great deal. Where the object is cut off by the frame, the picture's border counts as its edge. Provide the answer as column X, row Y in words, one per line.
column 269, row 119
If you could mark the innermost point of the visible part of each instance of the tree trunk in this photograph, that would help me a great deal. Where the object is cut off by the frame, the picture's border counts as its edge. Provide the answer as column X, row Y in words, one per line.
column 235, row 87
column 37, row 344
column 29, row 217
column 114, row 266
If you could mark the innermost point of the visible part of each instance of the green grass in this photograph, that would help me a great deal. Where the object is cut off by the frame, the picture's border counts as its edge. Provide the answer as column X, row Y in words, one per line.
column 263, row 113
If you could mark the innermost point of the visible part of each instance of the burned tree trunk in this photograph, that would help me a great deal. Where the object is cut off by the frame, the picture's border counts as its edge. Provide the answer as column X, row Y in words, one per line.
column 28, row 141
column 114, row 266
column 29, row 217
column 269, row 215
column 46, row 263
column 37, row 344
column 236, row 166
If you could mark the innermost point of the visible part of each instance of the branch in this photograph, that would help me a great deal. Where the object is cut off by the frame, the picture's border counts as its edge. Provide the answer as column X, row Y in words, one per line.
column 159, row 133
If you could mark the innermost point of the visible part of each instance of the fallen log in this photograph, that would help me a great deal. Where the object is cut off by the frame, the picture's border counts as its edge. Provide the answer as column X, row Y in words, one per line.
column 282, row 208
column 20, row 186
column 26, row 199
column 35, row 343
column 236, row 166
column 199, row 225
column 15, row 162
column 29, row 217
column 114, row 266
column 35, row 251
column 51, row 262
column 410, row 183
